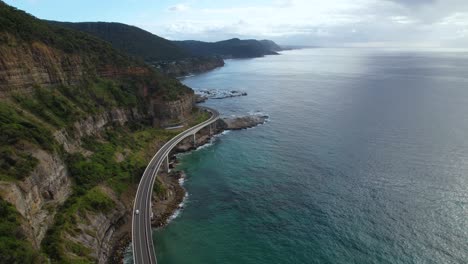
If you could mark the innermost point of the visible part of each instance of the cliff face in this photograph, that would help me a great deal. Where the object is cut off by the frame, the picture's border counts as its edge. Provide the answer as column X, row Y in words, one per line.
column 93, row 125
column 96, row 230
column 36, row 198
column 23, row 67
column 49, row 184
column 69, row 103
column 172, row 113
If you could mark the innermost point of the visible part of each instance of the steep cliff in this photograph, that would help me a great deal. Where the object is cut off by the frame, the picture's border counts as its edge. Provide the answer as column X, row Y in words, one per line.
column 35, row 198
column 25, row 65
column 170, row 113
column 69, row 105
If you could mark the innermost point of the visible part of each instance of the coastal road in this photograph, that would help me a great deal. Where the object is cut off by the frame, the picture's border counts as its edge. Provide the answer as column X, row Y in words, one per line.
column 142, row 241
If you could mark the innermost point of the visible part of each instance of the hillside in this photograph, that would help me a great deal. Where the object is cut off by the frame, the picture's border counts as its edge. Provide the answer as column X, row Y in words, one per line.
column 131, row 40
column 79, row 121
column 231, row 48
column 161, row 53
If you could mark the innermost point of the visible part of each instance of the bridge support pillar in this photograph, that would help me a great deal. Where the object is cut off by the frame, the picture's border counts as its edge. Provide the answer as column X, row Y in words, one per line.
column 167, row 163
column 194, row 140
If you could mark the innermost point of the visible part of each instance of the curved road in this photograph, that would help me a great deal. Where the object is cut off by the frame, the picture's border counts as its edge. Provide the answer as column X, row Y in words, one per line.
column 142, row 241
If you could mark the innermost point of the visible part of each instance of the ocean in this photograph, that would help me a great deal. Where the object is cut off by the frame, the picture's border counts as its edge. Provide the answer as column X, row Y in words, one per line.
column 364, row 159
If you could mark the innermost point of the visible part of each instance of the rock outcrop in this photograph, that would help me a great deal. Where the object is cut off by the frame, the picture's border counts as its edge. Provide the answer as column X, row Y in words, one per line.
column 219, row 94
column 171, row 113
column 36, row 197
column 97, row 230
column 236, row 123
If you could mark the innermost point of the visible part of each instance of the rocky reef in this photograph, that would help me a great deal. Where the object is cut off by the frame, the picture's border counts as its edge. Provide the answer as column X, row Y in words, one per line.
column 218, row 93
column 242, row 122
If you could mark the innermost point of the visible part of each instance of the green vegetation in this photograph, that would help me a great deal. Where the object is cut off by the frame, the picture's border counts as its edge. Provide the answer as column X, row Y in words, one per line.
column 13, row 245
column 71, row 213
column 101, row 167
column 234, row 48
column 131, row 40
column 50, row 106
column 15, row 164
column 17, row 130
column 18, row 28
column 28, row 120
column 27, row 28
column 199, row 117
column 158, row 188
column 16, row 126
column 63, row 105
column 173, row 90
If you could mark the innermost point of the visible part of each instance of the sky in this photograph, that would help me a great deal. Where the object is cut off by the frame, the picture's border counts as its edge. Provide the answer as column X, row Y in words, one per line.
column 356, row 23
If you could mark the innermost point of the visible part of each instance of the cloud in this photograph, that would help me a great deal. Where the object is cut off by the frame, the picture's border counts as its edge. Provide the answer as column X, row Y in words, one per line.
column 284, row 3
column 402, row 20
column 456, row 19
column 413, row 2
column 179, row 8
column 333, row 22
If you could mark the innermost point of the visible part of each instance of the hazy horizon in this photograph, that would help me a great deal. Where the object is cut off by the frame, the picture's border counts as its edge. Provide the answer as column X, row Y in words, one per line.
column 341, row 23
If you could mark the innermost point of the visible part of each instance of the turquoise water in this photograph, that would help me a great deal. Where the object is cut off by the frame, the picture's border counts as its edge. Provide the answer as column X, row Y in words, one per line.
column 364, row 160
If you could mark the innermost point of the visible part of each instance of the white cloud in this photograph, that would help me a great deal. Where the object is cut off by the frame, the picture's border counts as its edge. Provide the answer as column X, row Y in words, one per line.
column 318, row 22
column 456, row 19
column 284, row 3
column 402, row 20
column 179, row 8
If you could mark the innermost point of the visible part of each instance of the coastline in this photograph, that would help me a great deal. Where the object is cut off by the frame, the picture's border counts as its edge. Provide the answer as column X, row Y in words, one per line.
column 166, row 206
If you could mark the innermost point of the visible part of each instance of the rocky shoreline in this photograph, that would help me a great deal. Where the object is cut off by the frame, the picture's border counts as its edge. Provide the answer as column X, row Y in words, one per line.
column 166, row 204
column 219, row 94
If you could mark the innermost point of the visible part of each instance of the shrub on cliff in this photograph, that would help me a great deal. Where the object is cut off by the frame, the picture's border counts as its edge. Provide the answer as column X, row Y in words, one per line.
column 13, row 245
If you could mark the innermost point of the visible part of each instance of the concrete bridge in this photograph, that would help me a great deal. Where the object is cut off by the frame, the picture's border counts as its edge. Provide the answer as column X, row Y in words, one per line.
column 142, row 242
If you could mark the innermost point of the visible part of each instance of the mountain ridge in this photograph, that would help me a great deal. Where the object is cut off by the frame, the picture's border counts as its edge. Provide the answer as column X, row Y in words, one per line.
column 231, row 48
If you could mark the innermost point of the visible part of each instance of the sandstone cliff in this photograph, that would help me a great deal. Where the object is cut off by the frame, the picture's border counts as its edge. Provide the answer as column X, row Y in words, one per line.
column 172, row 113
column 27, row 65
column 97, row 230
column 36, row 198
column 69, row 104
